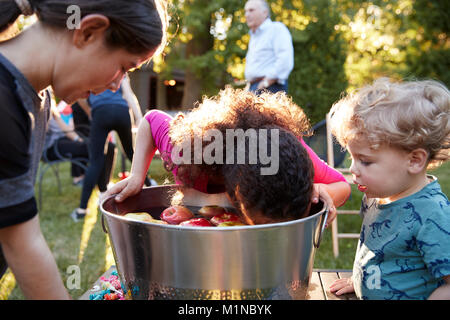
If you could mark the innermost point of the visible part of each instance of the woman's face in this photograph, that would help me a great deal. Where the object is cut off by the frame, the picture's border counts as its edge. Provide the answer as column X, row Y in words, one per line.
column 93, row 68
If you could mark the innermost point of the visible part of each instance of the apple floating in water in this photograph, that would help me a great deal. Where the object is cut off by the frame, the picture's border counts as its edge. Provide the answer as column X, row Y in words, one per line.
column 153, row 220
column 143, row 216
column 176, row 214
column 140, row 216
column 224, row 217
column 211, row 211
column 230, row 224
column 196, row 222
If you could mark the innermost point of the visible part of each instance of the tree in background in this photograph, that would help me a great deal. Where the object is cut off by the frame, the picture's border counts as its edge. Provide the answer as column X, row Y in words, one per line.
column 211, row 40
column 428, row 53
column 319, row 76
column 373, row 31
column 339, row 45
column 198, row 45
column 397, row 39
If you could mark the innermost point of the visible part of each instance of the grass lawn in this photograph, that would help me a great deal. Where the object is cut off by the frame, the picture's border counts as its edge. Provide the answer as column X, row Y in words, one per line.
column 85, row 245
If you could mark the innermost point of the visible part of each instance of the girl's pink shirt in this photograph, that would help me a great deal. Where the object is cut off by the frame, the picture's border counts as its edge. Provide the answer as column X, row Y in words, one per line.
column 160, row 124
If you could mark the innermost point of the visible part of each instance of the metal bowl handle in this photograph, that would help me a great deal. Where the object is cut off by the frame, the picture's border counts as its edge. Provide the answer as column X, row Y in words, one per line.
column 103, row 224
column 114, row 206
column 322, row 228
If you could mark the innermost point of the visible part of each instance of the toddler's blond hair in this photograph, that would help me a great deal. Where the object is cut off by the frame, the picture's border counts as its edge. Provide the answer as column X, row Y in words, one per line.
column 406, row 115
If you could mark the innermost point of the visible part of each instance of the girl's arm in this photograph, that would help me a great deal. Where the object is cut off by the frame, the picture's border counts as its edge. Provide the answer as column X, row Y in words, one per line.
column 329, row 184
column 333, row 194
column 143, row 155
column 338, row 191
column 145, row 150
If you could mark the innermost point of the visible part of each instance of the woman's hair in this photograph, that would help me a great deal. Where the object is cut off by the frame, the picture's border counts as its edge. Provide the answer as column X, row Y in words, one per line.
column 232, row 109
column 282, row 196
column 404, row 115
column 138, row 26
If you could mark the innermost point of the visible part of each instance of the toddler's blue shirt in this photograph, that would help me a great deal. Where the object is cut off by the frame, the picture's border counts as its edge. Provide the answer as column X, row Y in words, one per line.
column 404, row 247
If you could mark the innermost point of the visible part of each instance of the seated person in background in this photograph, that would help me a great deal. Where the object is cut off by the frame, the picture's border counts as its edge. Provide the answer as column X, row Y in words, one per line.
column 63, row 139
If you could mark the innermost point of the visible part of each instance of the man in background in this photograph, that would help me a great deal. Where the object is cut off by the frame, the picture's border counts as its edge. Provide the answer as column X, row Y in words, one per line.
column 270, row 55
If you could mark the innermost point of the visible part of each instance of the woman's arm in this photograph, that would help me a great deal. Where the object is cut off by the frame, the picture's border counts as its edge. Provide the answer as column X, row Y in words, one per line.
column 31, row 261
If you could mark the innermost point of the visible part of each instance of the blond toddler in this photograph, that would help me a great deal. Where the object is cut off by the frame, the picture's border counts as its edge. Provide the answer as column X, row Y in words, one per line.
column 394, row 132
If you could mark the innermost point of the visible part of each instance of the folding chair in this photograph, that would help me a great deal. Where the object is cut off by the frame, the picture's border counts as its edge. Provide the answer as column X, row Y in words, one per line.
column 54, row 165
column 321, row 145
column 335, row 234
column 329, row 150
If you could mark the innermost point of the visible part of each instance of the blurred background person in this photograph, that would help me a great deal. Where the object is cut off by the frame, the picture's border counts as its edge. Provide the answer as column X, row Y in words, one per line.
column 111, row 110
column 270, row 55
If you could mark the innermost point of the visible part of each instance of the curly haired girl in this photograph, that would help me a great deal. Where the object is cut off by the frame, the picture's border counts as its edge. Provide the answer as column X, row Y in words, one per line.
column 231, row 110
column 266, row 198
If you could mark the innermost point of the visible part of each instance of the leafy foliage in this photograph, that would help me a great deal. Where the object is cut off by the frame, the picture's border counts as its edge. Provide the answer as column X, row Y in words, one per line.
column 319, row 76
column 428, row 54
column 339, row 44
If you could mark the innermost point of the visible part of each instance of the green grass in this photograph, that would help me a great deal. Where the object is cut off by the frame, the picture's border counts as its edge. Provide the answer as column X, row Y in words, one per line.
column 87, row 246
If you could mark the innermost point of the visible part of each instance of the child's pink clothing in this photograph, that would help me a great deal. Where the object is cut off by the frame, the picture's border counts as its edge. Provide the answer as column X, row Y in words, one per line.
column 160, row 124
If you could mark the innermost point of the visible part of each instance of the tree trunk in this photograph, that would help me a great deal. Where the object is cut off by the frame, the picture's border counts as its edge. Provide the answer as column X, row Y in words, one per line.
column 201, row 42
column 192, row 90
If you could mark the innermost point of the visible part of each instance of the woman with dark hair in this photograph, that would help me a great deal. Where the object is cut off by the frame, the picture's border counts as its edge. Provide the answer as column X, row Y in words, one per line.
column 110, row 38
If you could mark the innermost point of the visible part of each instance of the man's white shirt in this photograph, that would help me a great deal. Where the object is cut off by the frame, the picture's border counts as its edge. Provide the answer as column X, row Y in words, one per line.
column 270, row 52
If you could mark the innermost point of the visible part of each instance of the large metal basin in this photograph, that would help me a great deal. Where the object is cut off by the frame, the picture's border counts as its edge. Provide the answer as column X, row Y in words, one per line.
column 270, row 261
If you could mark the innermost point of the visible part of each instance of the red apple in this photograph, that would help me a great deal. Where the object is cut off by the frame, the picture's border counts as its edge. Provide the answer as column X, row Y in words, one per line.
column 176, row 214
column 196, row 222
column 231, row 224
column 224, row 217
column 211, row 211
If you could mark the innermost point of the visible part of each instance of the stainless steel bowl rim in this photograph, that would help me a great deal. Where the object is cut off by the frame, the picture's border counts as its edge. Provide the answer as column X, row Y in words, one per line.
column 212, row 228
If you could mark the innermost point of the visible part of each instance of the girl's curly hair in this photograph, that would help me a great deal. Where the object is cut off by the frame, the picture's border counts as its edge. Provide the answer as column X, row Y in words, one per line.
column 282, row 196
column 232, row 109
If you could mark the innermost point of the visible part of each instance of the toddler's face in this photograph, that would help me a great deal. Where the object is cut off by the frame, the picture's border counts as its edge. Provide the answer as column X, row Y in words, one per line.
column 380, row 173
